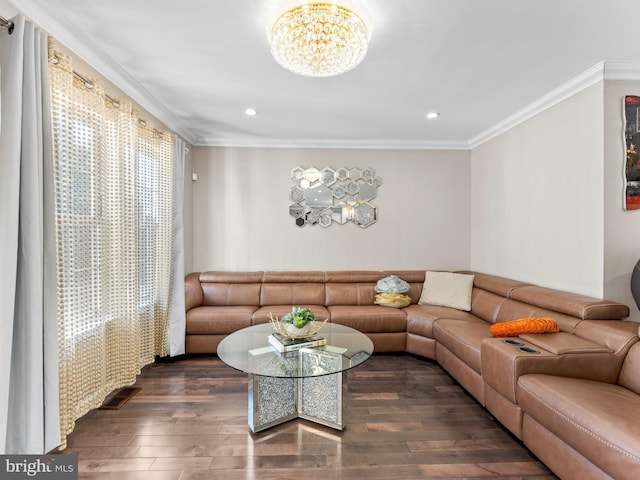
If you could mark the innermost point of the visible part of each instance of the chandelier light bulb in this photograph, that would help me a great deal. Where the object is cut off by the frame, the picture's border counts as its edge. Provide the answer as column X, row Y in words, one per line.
column 319, row 39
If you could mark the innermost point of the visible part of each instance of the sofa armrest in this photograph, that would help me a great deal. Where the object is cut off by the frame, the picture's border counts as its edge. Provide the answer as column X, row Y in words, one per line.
column 616, row 335
column 192, row 291
column 562, row 343
column 503, row 363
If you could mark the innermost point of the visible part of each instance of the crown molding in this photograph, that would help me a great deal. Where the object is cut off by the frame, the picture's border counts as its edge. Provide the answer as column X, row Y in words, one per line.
column 577, row 84
column 335, row 144
column 81, row 45
column 622, row 71
column 57, row 26
column 597, row 73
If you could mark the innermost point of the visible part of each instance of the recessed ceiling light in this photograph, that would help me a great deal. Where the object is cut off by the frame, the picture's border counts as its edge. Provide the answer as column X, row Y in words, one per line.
column 432, row 115
column 251, row 112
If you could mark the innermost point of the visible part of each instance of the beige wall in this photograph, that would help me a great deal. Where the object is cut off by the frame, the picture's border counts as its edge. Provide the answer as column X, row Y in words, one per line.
column 621, row 227
column 241, row 203
column 541, row 202
column 537, row 198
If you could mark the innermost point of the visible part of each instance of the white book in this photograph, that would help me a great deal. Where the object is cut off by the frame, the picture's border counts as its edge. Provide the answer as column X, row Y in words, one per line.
column 283, row 344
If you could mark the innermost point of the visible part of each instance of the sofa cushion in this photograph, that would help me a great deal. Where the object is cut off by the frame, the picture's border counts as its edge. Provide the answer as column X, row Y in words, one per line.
column 599, row 420
column 486, row 305
column 237, row 294
column 420, row 318
column 616, row 336
column 192, row 291
column 353, row 276
column 629, row 377
column 292, row 294
column 218, row 320
column 369, row 318
column 295, row 276
column 463, row 338
column 351, row 294
column 447, row 289
column 492, row 283
column 580, row 306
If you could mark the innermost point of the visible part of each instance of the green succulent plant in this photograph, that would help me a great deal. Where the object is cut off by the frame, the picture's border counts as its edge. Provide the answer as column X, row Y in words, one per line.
column 298, row 316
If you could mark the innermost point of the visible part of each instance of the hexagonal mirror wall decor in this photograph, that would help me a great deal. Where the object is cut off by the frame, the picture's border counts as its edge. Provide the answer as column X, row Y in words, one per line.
column 324, row 196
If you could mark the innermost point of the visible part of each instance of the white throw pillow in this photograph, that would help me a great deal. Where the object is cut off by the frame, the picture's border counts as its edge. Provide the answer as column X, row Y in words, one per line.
column 447, row 289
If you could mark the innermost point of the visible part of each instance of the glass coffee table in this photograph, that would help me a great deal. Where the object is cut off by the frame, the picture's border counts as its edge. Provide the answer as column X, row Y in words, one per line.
column 306, row 383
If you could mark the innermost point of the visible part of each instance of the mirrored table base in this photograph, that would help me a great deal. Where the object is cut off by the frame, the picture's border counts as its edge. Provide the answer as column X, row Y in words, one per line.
column 275, row 400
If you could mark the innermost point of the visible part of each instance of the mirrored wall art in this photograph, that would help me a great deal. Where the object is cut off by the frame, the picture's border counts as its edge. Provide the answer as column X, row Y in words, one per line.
column 326, row 196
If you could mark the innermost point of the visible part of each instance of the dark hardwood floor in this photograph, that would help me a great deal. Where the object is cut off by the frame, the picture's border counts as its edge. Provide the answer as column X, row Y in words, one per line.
column 406, row 419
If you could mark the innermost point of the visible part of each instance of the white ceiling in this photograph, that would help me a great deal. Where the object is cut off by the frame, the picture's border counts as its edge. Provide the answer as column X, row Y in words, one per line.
column 483, row 64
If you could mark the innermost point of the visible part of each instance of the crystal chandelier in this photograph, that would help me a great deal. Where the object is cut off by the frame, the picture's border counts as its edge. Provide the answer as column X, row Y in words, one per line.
column 319, row 39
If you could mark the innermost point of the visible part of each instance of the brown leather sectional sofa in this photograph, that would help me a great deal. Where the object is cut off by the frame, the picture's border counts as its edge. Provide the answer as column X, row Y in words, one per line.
column 572, row 397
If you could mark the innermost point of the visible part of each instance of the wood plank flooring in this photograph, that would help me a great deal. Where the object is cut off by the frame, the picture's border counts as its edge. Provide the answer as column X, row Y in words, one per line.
column 406, row 419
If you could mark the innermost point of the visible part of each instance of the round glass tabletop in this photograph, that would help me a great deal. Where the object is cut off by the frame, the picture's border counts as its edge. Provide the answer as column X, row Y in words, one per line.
column 249, row 351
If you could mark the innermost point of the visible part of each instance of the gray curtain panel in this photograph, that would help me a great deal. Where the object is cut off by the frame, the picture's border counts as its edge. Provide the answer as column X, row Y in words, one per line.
column 177, row 320
column 29, row 419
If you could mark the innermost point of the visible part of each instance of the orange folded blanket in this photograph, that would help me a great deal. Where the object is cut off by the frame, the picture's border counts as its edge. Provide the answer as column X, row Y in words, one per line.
column 514, row 328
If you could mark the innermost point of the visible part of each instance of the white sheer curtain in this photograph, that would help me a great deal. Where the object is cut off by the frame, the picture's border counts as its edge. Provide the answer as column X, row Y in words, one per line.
column 33, row 416
column 29, row 416
column 119, row 240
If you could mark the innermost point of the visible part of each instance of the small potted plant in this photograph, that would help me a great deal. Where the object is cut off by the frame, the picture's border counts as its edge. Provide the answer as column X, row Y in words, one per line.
column 299, row 317
column 298, row 323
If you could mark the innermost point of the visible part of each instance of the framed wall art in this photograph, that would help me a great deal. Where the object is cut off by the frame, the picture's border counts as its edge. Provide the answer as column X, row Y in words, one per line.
column 632, row 149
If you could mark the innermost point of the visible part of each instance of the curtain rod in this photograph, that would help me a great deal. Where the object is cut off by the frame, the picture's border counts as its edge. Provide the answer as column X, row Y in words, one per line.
column 6, row 23
column 88, row 83
column 116, row 104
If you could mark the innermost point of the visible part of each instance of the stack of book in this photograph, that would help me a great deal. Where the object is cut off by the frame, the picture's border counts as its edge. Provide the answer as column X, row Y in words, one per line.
column 283, row 344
